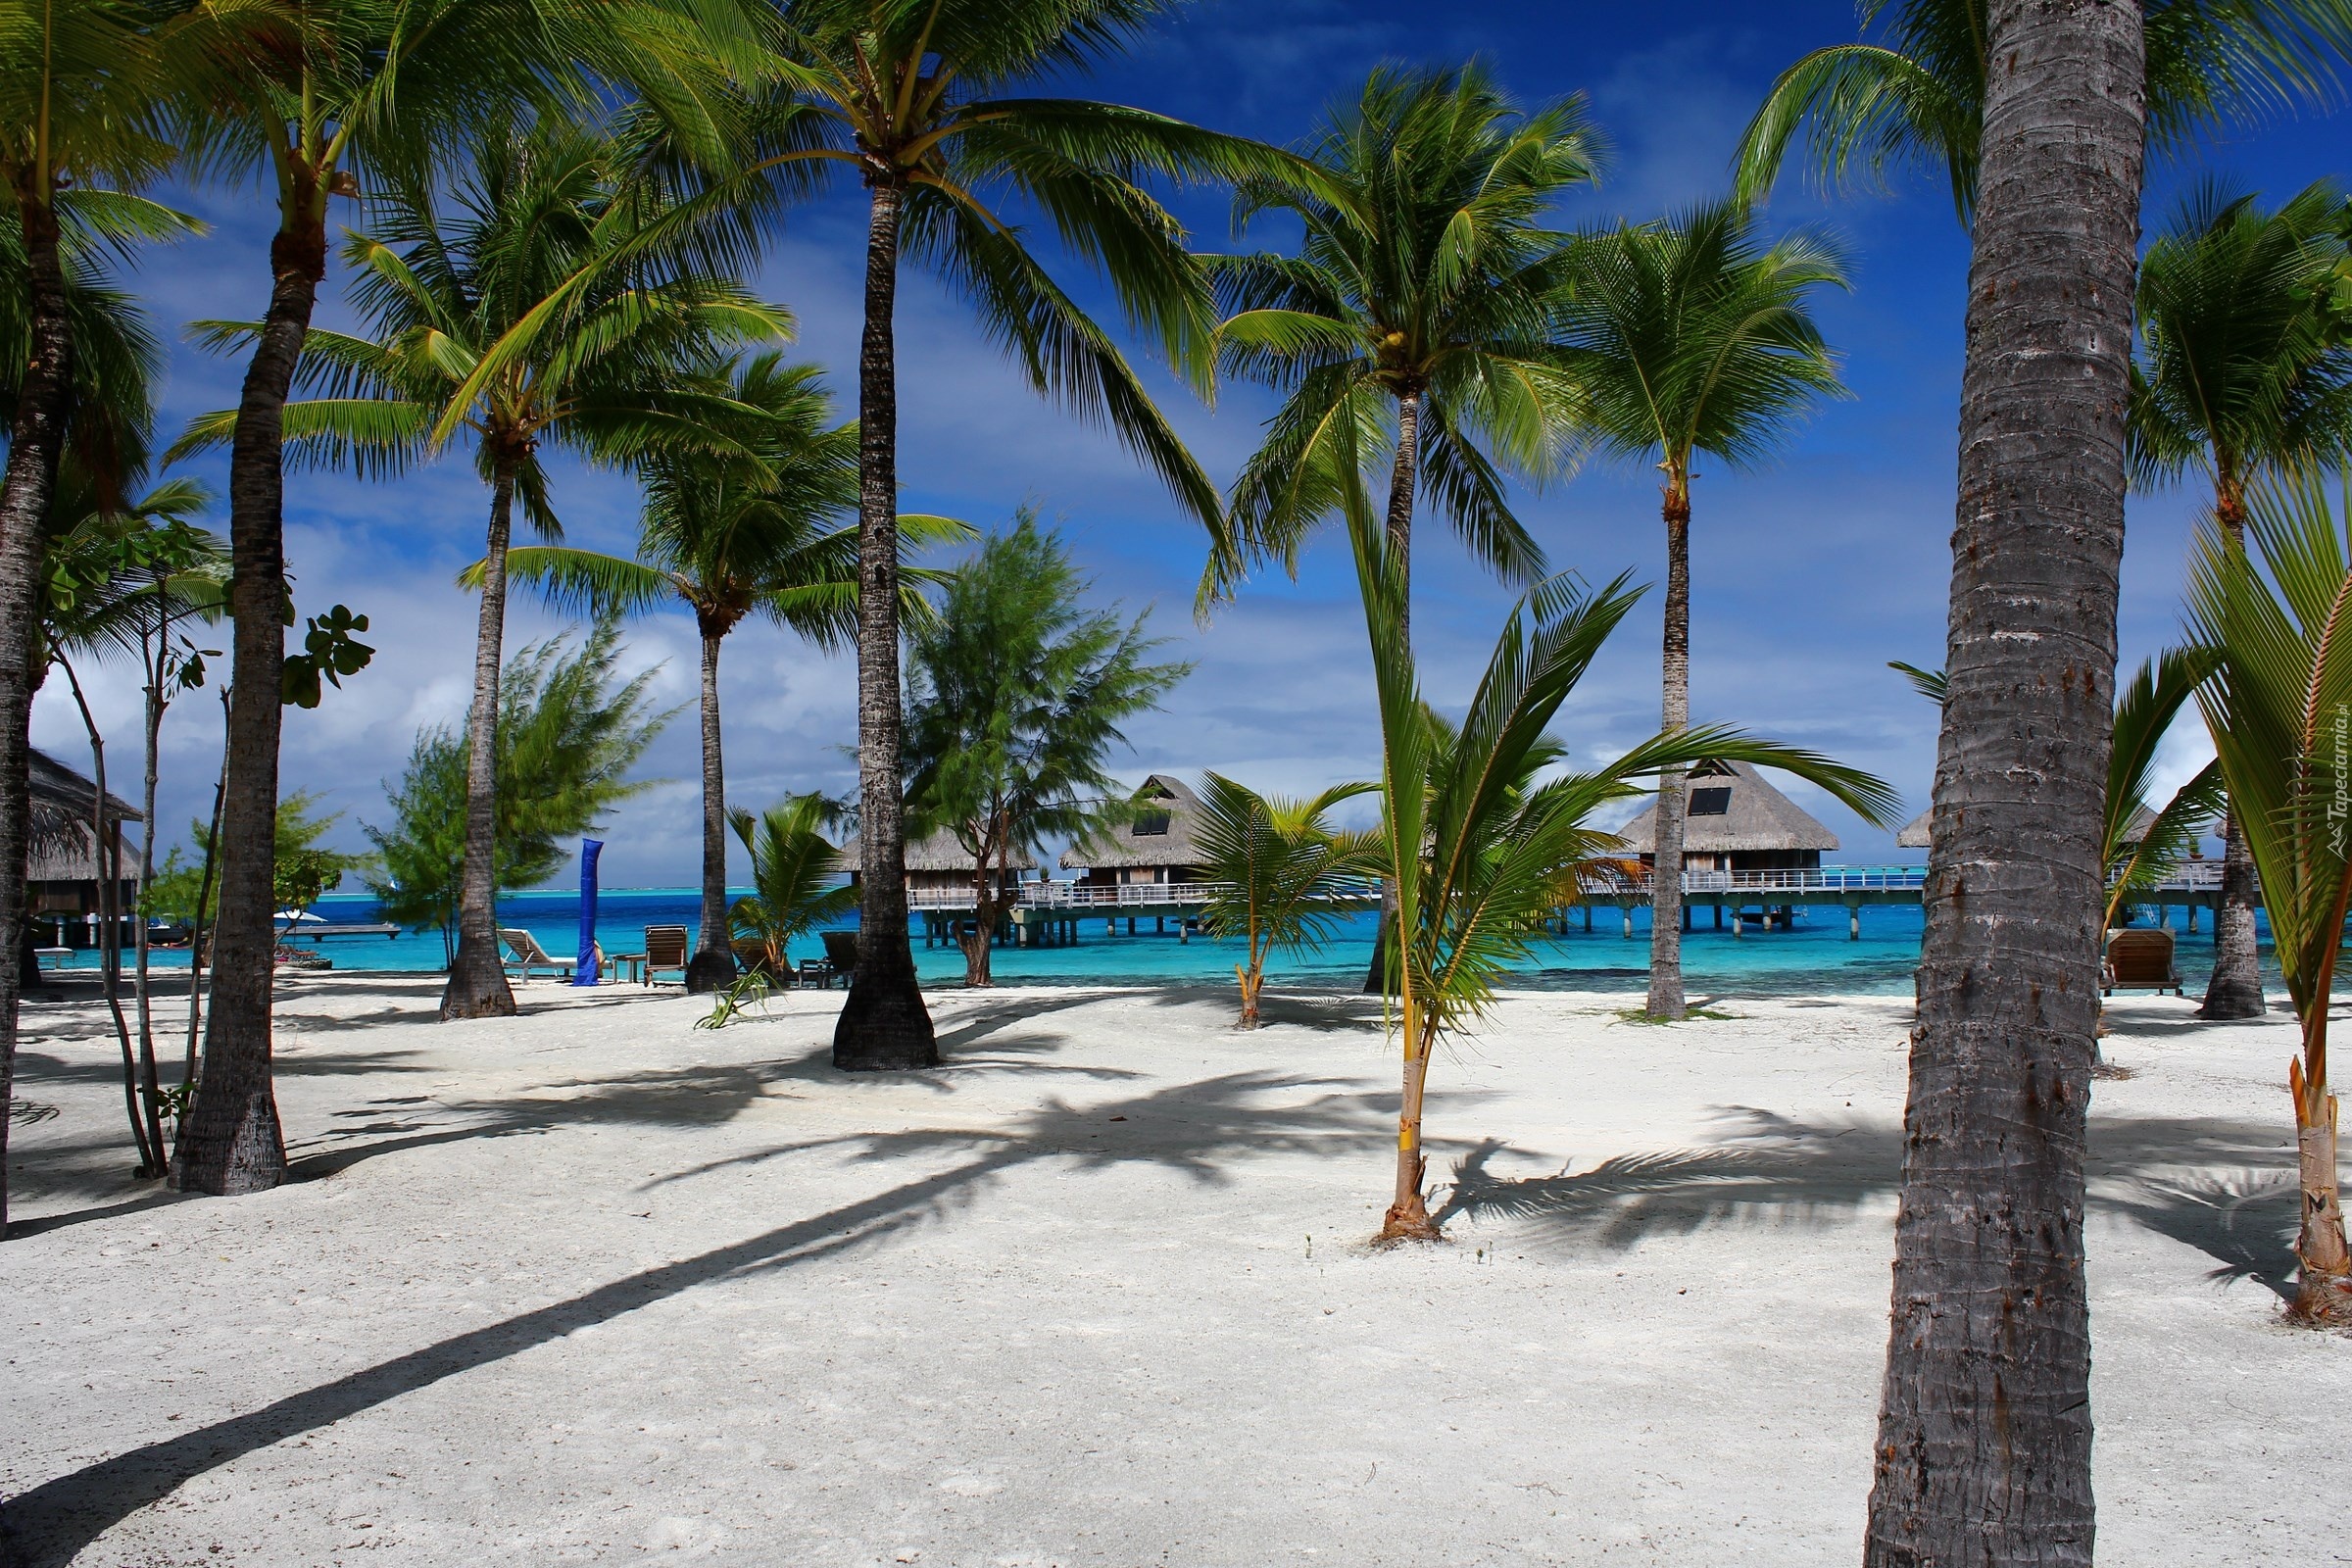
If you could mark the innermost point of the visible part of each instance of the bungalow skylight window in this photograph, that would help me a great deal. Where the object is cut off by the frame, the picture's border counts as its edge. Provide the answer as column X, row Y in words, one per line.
column 1711, row 801
column 1151, row 824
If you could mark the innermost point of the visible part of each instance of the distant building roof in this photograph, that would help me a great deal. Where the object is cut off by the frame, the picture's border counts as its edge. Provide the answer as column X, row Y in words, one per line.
column 58, row 823
column 1158, row 834
column 1728, row 809
column 938, row 851
column 1913, row 835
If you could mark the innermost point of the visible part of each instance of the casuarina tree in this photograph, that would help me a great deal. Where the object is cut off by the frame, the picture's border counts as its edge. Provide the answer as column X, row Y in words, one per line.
column 1984, row 1442
column 1685, row 336
column 734, row 534
column 2245, row 365
column 1015, row 693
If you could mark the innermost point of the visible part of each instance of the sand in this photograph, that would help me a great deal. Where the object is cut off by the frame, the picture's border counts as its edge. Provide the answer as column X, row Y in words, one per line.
column 590, row 1283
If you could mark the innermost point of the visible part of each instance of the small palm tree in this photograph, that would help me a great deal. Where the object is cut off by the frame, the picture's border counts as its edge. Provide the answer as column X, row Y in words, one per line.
column 919, row 101
column 1914, row 96
column 2139, row 843
column 1416, row 312
column 731, row 535
column 2245, row 364
column 1685, row 336
column 2271, row 610
column 1481, row 846
column 1278, row 866
column 794, row 871
column 531, row 315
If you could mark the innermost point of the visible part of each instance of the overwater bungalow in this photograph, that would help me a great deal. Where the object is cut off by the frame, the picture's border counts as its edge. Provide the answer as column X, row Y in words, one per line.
column 1154, row 844
column 1736, row 821
column 939, row 867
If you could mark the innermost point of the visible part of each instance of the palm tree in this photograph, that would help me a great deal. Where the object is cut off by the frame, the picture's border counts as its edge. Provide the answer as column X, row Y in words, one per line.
column 793, row 870
column 1416, row 312
column 1916, row 96
column 2244, row 366
column 1480, row 844
column 913, row 97
column 734, row 535
column 80, row 82
column 461, row 302
column 2271, row 614
column 1983, row 1452
column 1277, row 865
column 2140, row 845
column 315, row 98
column 1014, row 698
column 1685, row 336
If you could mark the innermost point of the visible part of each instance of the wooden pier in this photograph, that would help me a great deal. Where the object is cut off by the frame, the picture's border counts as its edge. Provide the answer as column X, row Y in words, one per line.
column 1050, row 915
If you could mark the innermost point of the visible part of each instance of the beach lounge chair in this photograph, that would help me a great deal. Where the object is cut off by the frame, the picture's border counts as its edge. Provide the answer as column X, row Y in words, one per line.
column 524, row 955
column 841, row 956
column 2139, row 960
column 665, row 953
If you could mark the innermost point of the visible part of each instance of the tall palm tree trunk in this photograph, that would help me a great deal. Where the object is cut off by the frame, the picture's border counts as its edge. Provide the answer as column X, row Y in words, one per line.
column 1666, row 999
column 37, row 437
column 477, row 979
column 1400, row 528
column 1983, row 1439
column 231, row 1141
column 714, row 965
column 884, row 1026
column 2235, row 990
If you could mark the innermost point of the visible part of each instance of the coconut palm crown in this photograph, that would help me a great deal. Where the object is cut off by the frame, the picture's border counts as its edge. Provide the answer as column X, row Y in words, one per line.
column 1914, row 95
column 1415, row 312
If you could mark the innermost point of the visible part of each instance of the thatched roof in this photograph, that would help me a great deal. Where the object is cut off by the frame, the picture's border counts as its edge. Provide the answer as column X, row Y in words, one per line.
column 58, row 824
column 939, row 851
column 1748, row 815
column 1160, row 833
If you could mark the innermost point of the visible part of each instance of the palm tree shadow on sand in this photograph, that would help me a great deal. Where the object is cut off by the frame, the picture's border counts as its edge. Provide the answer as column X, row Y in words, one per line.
column 2224, row 1188
column 1201, row 1129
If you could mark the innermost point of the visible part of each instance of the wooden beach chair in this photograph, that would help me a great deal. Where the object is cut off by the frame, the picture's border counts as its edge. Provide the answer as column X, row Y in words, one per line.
column 2140, row 958
column 665, row 953
column 841, row 957
column 524, row 955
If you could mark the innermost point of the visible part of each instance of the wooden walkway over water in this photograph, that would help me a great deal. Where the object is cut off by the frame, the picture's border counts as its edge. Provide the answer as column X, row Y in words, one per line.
column 1051, row 913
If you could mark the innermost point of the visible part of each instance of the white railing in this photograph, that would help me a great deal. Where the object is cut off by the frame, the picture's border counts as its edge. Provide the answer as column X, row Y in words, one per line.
column 2197, row 876
column 1106, row 896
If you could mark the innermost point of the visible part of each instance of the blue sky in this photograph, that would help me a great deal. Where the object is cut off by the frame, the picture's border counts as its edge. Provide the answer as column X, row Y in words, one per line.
column 1807, row 576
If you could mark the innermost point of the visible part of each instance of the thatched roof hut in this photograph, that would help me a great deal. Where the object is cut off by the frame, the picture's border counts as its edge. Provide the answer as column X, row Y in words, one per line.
column 1913, row 835
column 937, row 861
column 61, row 860
column 1735, row 821
column 1154, row 844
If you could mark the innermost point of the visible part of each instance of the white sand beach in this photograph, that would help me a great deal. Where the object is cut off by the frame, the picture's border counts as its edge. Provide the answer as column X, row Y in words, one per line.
column 590, row 1283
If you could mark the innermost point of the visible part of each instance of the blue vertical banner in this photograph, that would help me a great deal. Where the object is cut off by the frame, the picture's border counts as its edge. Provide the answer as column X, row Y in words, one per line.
column 584, row 973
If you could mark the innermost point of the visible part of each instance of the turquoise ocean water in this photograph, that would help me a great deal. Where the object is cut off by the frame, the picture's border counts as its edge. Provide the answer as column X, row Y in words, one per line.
column 1814, row 956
